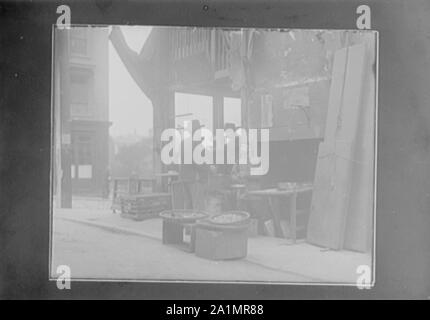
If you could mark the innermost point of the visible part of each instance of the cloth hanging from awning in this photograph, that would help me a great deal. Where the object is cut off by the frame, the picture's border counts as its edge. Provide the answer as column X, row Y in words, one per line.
column 240, row 45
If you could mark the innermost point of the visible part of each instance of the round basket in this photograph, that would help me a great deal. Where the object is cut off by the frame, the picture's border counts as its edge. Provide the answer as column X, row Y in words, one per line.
column 183, row 215
column 230, row 218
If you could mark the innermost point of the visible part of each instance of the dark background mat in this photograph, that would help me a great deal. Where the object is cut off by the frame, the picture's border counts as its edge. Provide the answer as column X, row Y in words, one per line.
column 403, row 187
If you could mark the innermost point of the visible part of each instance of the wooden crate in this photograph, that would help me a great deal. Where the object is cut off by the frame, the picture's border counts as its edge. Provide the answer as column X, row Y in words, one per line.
column 144, row 206
column 173, row 235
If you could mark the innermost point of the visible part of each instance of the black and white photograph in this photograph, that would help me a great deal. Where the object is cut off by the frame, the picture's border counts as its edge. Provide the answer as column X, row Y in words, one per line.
column 208, row 157
column 210, row 154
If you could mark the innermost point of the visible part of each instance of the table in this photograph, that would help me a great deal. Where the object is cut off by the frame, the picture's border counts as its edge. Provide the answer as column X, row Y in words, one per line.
column 291, row 193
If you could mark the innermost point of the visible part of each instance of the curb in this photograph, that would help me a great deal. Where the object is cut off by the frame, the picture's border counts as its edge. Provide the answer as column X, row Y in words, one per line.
column 114, row 229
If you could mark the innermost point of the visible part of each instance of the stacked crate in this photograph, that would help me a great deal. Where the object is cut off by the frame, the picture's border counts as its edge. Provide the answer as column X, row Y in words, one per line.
column 144, row 206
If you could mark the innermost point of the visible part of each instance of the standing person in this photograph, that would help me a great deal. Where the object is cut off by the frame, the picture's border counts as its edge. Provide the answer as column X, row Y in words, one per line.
column 189, row 173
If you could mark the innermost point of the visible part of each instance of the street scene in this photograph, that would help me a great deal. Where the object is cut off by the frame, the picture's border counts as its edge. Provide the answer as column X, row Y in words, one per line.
column 133, row 250
column 209, row 154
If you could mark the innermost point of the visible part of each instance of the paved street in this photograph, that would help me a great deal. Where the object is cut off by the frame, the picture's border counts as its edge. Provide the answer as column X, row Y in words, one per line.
column 96, row 243
column 90, row 251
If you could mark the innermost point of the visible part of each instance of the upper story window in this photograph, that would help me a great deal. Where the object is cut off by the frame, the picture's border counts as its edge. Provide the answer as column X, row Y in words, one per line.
column 79, row 42
column 81, row 85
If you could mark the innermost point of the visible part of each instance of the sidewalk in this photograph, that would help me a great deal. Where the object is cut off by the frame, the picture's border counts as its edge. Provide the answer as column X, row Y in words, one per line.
column 304, row 260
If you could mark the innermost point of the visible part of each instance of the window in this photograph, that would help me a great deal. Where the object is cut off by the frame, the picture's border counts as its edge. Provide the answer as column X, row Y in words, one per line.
column 83, row 156
column 80, row 91
column 78, row 42
column 232, row 111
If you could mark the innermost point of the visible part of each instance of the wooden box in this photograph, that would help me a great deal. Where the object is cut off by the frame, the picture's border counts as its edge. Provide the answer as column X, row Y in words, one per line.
column 175, row 234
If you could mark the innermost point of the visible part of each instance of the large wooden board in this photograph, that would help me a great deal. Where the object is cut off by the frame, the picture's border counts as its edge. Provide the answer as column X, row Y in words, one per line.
column 332, row 194
column 359, row 225
column 324, row 172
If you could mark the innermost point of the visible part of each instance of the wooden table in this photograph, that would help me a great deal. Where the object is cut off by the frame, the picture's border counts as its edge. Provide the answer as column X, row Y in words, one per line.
column 291, row 193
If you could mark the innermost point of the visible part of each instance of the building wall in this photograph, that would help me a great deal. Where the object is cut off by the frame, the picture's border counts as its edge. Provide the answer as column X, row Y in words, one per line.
column 88, row 49
column 89, row 109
